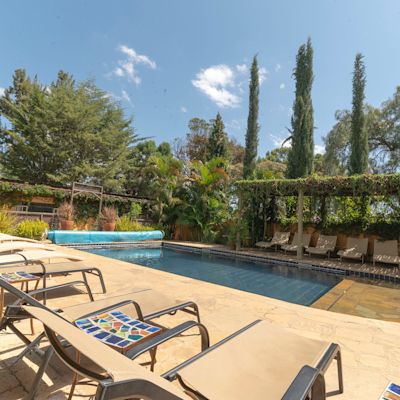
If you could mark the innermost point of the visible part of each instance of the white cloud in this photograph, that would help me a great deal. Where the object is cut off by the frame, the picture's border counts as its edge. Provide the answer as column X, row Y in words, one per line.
column 2, row 90
column 183, row 109
column 319, row 149
column 125, row 96
column 262, row 74
column 282, row 86
column 127, row 68
column 242, row 68
column 217, row 82
column 278, row 141
column 278, row 67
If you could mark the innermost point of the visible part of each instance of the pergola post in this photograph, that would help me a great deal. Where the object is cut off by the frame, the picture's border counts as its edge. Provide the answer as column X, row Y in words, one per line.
column 300, row 207
column 239, row 222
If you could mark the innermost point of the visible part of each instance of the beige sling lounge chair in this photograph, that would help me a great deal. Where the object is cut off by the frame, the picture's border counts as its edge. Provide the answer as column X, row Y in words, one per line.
column 257, row 362
column 356, row 249
column 279, row 239
column 325, row 246
column 293, row 246
column 386, row 252
column 4, row 237
column 42, row 262
column 18, row 246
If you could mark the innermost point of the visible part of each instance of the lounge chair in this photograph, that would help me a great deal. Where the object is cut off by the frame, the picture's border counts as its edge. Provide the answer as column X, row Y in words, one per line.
column 325, row 246
column 10, row 238
column 356, row 249
column 17, row 246
column 259, row 361
column 279, row 239
column 34, row 261
column 293, row 246
column 386, row 252
column 145, row 304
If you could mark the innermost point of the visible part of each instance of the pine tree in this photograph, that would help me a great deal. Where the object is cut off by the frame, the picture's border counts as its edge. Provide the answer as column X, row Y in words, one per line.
column 358, row 163
column 218, row 140
column 301, row 155
column 250, row 155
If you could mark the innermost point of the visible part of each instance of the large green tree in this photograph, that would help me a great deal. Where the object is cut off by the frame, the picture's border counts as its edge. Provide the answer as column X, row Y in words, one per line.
column 301, row 155
column 358, row 163
column 250, row 154
column 63, row 132
column 218, row 140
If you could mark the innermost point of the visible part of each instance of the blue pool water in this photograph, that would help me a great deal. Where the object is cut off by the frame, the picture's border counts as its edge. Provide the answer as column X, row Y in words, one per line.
column 281, row 282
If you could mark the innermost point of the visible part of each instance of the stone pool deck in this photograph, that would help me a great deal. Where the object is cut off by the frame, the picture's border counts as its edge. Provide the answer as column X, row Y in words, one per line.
column 371, row 348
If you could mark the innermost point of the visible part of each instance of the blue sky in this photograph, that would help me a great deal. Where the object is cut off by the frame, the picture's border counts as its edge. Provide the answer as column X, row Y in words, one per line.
column 169, row 61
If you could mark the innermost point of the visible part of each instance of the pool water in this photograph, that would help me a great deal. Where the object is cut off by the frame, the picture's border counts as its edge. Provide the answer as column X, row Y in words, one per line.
column 299, row 286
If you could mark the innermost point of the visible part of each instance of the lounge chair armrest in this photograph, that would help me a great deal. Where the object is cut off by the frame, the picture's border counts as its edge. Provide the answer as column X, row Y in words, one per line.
column 62, row 286
column 307, row 380
column 167, row 335
column 114, row 306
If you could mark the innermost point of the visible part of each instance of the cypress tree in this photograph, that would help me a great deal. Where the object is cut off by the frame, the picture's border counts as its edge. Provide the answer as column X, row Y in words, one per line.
column 218, row 140
column 301, row 154
column 250, row 155
column 358, row 163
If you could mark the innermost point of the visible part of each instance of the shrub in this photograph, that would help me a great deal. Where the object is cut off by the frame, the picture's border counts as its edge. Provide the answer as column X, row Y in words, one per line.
column 32, row 229
column 66, row 211
column 7, row 222
column 135, row 211
column 109, row 214
column 125, row 224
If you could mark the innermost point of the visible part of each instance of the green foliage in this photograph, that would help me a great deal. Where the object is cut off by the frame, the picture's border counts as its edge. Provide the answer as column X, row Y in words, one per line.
column 135, row 210
column 32, row 229
column 359, row 135
column 301, row 155
column 218, row 140
column 357, row 185
column 125, row 224
column 63, row 132
column 7, row 222
column 250, row 155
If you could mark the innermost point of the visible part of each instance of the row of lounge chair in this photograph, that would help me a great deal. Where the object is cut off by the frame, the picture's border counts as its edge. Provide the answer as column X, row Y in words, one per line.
column 356, row 248
column 258, row 361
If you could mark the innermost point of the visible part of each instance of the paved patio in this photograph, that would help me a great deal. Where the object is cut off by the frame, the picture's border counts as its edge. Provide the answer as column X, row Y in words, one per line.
column 371, row 351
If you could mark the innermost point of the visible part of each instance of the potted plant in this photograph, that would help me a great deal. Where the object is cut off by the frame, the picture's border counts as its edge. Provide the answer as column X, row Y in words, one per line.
column 66, row 214
column 109, row 217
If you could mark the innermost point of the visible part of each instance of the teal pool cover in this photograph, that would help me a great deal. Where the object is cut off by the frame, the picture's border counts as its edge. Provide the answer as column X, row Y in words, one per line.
column 63, row 237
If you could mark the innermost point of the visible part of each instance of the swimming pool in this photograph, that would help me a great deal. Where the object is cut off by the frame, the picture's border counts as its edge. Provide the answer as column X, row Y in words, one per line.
column 299, row 286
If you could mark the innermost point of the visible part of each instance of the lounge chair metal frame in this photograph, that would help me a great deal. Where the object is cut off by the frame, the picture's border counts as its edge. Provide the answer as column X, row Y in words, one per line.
column 308, row 381
column 79, row 268
column 14, row 313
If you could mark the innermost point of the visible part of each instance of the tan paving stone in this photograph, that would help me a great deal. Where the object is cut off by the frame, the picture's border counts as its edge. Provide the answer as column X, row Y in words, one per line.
column 370, row 347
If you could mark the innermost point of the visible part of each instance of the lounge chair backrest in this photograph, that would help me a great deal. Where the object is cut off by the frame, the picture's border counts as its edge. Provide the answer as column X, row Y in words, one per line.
column 357, row 244
column 280, row 237
column 117, row 367
column 386, row 248
column 306, row 239
column 326, row 242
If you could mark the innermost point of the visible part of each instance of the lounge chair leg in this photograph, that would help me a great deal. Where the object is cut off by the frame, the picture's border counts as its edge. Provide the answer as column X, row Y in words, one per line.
column 339, row 370
column 28, row 349
column 100, row 275
column 39, row 374
column 153, row 353
column 86, row 283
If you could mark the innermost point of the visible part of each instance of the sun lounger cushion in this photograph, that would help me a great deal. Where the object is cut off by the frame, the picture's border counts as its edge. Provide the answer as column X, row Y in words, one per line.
column 260, row 363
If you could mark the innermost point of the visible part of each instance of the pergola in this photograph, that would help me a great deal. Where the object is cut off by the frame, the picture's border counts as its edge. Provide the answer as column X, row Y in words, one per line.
column 358, row 185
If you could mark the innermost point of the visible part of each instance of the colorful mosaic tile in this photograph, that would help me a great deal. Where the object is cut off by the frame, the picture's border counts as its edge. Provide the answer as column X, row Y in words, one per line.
column 117, row 329
column 17, row 276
